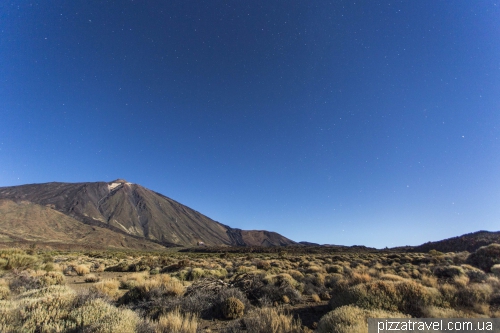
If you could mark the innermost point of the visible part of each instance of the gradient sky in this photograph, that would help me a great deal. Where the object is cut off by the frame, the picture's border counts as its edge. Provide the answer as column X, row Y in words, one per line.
column 339, row 122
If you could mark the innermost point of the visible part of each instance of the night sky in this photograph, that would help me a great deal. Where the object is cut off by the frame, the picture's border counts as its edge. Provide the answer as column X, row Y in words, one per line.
column 338, row 122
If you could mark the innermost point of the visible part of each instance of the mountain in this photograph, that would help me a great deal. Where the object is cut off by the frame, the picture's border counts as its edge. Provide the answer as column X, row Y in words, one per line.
column 131, row 210
column 468, row 242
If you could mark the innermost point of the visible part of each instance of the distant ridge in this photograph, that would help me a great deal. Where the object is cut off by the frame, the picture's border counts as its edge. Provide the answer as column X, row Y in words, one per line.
column 127, row 209
column 468, row 242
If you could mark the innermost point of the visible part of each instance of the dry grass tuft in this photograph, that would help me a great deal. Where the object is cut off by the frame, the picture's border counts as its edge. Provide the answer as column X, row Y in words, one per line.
column 108, row 287
column 352, row 319
column 272, row 320
column 82, row 270
column 391, row 277
column 176, row 322
column 92, row 278
column 405, row 296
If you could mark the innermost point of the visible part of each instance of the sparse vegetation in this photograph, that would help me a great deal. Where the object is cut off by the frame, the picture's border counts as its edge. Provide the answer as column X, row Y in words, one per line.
column 260, row 292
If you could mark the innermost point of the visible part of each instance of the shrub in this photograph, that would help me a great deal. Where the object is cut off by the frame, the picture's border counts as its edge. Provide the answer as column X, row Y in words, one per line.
column 356, row 278
column 391, row 277
column 91, row 278
column 262, row 264
column 298, row 276
column 232, row 308
column 448, row 272
column 98, row 267
column 460, row 258
column 314, row 269
column 197, row 273
column 404, row 296
column 205, row 299
column 325, row 296
column 474, row 274
column 335, row 269
column 282, row 280
column 97, row 315
column 132, row 280
column 20, row 261
column 211, row 301
column 82, row 270
column 278, row 286
column 435, row 253
column 121, row 267
column 158, row 286
column 485, row 257
column 28, row 280
column 4, row 291
column 108, row 287
column 473, row 294
column 439, row 312
column 495, row 269
column 272, row 320
column 52, row 278
column 352, row 319
column 42, row 310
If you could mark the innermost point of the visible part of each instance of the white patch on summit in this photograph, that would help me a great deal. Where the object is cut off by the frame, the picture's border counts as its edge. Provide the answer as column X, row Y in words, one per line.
column 113, row 185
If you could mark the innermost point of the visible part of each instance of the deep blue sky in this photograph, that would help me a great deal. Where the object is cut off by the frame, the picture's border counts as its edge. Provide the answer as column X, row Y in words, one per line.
column 341, row 122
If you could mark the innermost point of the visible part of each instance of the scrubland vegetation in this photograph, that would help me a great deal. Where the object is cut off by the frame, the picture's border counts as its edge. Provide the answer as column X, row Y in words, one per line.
column 49, row 291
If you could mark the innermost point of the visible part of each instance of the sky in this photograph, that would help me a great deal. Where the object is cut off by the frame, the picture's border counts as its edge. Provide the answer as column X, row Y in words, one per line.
column 368, row 122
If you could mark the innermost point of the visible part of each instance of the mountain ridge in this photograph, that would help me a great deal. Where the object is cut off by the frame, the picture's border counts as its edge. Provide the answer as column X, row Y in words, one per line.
column 467, row 242
column 134, row 210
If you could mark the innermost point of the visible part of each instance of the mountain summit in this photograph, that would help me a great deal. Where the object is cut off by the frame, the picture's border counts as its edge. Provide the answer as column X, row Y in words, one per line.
column 132, row 210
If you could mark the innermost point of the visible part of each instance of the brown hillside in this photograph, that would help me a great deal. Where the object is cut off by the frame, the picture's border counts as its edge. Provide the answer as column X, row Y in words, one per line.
column 26, row 222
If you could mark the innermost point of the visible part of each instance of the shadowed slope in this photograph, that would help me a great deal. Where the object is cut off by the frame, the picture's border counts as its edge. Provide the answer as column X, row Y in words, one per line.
column 468, row 242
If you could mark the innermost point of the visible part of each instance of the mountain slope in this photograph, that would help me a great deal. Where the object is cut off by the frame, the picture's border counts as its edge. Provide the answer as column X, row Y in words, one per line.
column 26, row 222
column 135, row 210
